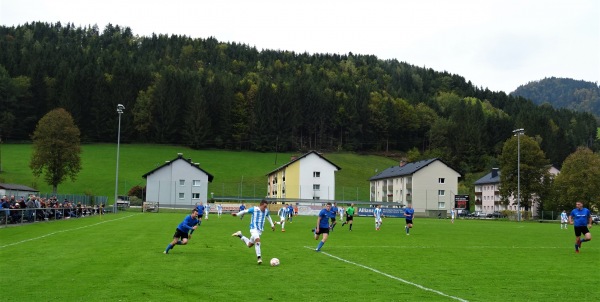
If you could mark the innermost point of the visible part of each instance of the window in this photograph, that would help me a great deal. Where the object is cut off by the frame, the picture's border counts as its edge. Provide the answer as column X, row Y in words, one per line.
column 316, row 187
column 195, row 195
column 316, row 198
column 196, row 183
column 441, row 205
column 181, row 195
column 316, row 174
column 441, row 180
column 182, row 182
column 441, row 192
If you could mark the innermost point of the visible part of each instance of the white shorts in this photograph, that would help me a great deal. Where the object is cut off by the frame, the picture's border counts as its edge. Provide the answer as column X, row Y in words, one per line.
column 282, row 218
column 564, row 221
column 377, row 220
column 255, row 234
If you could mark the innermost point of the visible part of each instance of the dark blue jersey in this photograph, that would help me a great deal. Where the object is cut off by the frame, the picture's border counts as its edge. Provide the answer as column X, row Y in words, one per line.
column 200, row 209
column 580, row 217
column 409, row 213
column 334, row 211
column 188, row 223
column 324, row 222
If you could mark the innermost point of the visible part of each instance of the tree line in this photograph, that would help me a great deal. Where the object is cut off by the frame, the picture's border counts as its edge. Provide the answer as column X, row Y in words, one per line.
column 203, row 93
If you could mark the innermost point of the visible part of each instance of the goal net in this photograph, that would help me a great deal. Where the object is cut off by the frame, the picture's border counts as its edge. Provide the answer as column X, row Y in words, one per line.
column 150, row 206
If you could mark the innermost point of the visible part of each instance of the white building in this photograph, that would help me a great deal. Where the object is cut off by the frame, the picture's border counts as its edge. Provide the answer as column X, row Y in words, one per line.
column 487, row 193
column 178, row 182
column 309, row 176
column 429, row 185
column 17, row 190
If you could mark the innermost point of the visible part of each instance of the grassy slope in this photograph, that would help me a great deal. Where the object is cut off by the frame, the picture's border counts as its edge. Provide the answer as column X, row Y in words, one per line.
column 230, row 168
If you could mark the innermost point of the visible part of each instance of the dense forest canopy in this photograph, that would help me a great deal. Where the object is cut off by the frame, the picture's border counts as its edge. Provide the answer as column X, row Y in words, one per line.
column 572, row 94
column 204, row 93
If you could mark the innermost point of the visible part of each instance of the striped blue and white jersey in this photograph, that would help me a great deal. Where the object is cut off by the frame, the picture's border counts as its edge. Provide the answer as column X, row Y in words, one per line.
column 283, row 212
column 377, row 212
column 258, row 218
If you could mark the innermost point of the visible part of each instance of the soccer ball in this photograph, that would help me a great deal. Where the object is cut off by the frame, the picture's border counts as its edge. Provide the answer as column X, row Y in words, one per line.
column 274, row 262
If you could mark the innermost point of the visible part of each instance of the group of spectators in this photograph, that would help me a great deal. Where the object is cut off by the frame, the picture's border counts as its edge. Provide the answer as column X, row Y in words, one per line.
column 34, row 208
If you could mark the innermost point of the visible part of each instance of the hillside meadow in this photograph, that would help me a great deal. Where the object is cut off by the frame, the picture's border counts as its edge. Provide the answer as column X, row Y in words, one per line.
column 229, row 168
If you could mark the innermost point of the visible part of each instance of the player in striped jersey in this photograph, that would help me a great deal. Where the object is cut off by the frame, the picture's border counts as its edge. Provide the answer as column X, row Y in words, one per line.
column 259, row 213
column 378, row 213
column 283, row 214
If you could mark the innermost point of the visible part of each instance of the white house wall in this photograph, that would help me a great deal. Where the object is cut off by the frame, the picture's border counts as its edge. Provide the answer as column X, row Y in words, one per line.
column 426, row 187
column 313, row 163
column 164, row 186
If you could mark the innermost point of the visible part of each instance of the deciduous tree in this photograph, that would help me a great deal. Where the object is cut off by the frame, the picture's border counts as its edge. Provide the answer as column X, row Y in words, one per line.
column 56, row 148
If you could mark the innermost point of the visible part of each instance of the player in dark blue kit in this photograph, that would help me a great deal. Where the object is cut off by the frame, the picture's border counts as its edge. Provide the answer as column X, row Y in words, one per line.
column 180, row 237
column 323, row 226
column 200, row 208
column 581, row 219
column 334, row 212
column 409, row 214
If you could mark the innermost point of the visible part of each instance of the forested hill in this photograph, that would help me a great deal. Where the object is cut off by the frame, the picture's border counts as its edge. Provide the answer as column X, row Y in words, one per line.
column 563, row 93
column 207, row 94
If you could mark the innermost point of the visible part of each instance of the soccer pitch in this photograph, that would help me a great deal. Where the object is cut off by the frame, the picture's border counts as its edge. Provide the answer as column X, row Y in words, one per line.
column 119, row 257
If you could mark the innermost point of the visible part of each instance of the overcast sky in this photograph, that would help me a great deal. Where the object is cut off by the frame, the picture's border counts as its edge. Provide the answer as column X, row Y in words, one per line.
column 498, row 44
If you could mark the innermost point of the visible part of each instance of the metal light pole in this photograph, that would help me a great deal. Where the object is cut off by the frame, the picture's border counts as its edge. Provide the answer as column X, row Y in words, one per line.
column 120, row 109
column 0, row 153
column 518, row 133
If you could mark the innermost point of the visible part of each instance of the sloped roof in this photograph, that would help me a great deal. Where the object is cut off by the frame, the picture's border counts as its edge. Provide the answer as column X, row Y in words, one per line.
column 179, row 157
column 490, row 178
column 301, row 157
column 17, row 187
column 408, row 169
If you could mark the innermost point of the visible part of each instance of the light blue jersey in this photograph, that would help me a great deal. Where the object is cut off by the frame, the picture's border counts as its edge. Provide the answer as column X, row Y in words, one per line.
column 258, row 218
column 283, row 212
column 377, row 212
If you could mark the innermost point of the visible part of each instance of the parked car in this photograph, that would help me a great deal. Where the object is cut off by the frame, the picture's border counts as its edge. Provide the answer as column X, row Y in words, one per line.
column 478, row 214
column 595, row 219
column 461, row 212
column 495, row 214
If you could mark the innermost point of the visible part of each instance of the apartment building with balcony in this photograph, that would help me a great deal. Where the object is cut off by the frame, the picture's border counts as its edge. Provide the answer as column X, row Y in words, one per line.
column 429, row 185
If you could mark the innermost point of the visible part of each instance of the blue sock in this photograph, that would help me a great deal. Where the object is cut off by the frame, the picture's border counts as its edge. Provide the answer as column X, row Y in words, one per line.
column 407, row 229
column 168, row 248
column 179, row 242
column 583, row 240
column 320, row 245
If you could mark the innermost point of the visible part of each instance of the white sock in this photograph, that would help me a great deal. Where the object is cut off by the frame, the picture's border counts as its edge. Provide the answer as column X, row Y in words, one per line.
column 245, row 239
column 283, row 225
column 257, row 249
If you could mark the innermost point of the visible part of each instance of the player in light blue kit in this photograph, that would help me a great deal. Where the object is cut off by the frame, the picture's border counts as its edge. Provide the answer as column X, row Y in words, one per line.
column 283, row 214
column 564, row 219
column 322, row 226
column 581, row 219
column 409, row 214
column 378, row 214
column 190, row 223
column 257, row 222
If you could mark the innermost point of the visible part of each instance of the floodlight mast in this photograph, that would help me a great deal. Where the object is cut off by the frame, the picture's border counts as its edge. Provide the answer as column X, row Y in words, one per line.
column 120, row 109
column 518, row 133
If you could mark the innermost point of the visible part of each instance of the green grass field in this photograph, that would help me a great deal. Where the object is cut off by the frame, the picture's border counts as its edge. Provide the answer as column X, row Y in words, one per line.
column 229, row 168
column 119, row 258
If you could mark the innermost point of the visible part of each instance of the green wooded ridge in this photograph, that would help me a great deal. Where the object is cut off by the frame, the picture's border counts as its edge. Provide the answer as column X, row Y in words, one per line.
column 202, row 93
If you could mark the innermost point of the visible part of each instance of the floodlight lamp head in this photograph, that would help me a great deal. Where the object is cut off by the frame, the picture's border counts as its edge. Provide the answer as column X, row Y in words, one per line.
column 120, row 107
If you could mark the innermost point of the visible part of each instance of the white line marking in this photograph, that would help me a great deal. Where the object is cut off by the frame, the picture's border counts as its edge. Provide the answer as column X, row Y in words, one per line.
column 449, row 247
column 58, row 232
column 392, row 277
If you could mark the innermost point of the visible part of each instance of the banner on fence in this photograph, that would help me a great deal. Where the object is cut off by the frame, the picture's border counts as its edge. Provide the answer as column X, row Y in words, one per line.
column 387, row 212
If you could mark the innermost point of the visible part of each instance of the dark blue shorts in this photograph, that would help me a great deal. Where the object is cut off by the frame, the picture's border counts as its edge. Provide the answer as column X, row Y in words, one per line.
column 581, row 230
column 323, row 231
column 180, row 234
column 408, row 221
